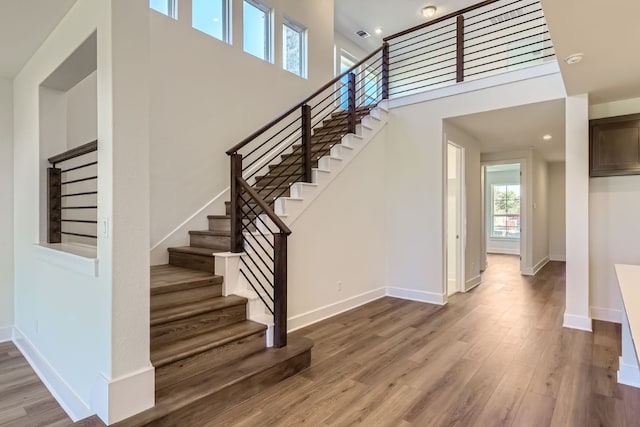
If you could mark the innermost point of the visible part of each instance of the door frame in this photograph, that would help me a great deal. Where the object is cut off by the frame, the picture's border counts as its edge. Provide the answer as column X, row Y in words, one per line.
column 461, row 207
column 525, row 214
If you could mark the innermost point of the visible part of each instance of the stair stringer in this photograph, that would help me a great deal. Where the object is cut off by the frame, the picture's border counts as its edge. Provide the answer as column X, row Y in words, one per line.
column 329, row 167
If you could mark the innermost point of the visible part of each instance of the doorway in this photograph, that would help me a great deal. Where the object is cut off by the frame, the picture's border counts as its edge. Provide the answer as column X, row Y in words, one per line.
column 455, row 218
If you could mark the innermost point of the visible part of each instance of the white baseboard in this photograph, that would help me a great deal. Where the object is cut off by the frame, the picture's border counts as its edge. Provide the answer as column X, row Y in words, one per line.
column 116, row 399
column 536, row 268
column 472, row 283
column 560, row 257
column 6, row 333
column 61, row 391
column 582, row 323
column 420, row 296
column 606, row 314
column 628, row 374
column 322, row 313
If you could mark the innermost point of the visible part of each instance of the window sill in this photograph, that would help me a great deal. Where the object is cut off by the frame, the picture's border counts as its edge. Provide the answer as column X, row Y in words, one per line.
column 70, row 256
column 506, row 239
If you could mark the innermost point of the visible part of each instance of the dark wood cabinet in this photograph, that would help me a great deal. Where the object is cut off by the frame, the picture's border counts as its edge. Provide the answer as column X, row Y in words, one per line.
column 614, row 146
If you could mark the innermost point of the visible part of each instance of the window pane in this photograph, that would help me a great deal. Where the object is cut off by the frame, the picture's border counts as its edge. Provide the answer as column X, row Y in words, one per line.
column 256, row 30
column 209, row 16
column 166, row 7
column 293, row 49
column 345, row 64
column 506, row 211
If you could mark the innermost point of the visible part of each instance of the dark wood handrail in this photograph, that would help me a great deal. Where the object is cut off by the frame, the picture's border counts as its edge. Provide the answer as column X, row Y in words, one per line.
column 267, row 210
column 74, row 152
column 282, row 116
column 440, row 19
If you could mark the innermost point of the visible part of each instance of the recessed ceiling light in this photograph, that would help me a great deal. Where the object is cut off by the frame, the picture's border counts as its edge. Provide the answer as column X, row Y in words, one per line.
column 547, row 137
column 429, row 11
column 574, row 58
column 378, row 30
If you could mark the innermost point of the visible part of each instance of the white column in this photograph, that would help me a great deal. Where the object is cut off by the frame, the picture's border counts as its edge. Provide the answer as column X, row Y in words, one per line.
column 576, row 314
column 628, row 372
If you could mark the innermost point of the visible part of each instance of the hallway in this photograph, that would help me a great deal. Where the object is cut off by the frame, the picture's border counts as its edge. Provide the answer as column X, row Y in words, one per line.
column 495, row 356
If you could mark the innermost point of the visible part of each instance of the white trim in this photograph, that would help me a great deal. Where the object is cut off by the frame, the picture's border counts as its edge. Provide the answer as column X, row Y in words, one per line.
column 628, row 374
column 6, row 333
column 322, row 313
column 472, row 283
column 116, row 399
column 61, row 391
column 420, row 296
column 606, row 314
column 560, row 257
column 504, row 251
column 545, row 69
column 536, row 268
column 573, row 321
column 70, row 256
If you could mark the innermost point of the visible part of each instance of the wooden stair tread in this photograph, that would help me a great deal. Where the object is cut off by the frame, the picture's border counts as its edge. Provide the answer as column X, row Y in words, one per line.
column 195, row 250
column 218, row 217
column 183, row 311
column 222, row 233
column 180, row 349
column 217, row 382
column 169, row 278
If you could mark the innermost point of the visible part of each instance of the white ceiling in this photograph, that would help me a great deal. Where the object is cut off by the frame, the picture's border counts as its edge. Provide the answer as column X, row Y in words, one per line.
column 391, row 16
column 606, row 32
column 519, row 128
column 24, row 26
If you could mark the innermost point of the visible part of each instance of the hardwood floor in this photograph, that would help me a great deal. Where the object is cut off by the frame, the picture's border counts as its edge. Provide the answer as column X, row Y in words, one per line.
column 24, row 400
column 496, row 356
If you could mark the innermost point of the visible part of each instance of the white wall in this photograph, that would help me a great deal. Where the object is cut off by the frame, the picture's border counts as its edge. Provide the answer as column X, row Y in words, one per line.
column 209, row 96
column 556, row 209
column 415, row 174
column 88, row 330
column 498, row 245
column 473, row 231
column 6, row 206
column 341, row 238
column 82, row 112
column 539, row 203
column 613, row 225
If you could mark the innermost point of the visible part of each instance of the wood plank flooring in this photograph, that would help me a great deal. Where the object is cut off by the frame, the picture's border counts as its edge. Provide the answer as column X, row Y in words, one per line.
column 496, row 356
column 24, row 400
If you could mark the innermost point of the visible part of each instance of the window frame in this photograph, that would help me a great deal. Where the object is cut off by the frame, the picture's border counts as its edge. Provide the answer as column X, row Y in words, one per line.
column 226, row 22
column 268, row 39
column 302, row 32
column 507, row 214
column 172, row 9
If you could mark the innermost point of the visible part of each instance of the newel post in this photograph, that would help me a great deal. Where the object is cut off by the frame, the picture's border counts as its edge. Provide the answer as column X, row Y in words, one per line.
column 306, row 142
column 352, row 103
column 460, row 49
column 54, row 205
column 280, row 290
column 385, row 70
column 236, row 204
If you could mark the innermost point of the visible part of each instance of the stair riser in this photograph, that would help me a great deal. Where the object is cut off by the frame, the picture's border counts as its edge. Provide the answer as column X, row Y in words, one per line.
column 186, row 368
column 197, row 324
column 192, row 261
column 219, row 224
column 213, row 242
column 186, row 296
column 214, row 404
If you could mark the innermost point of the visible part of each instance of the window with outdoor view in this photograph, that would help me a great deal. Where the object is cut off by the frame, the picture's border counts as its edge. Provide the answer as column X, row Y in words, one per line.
column 211, row 17
column 257, row 29
column 294, row 44
column 166, row 7
column 505, row 221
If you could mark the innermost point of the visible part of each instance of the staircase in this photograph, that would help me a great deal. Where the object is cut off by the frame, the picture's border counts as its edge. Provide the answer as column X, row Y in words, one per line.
column 207, row 354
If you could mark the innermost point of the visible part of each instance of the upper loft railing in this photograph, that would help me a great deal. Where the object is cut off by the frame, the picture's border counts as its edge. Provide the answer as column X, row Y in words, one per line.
column 481, row 40
column 488, row 38
column 72, row 195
